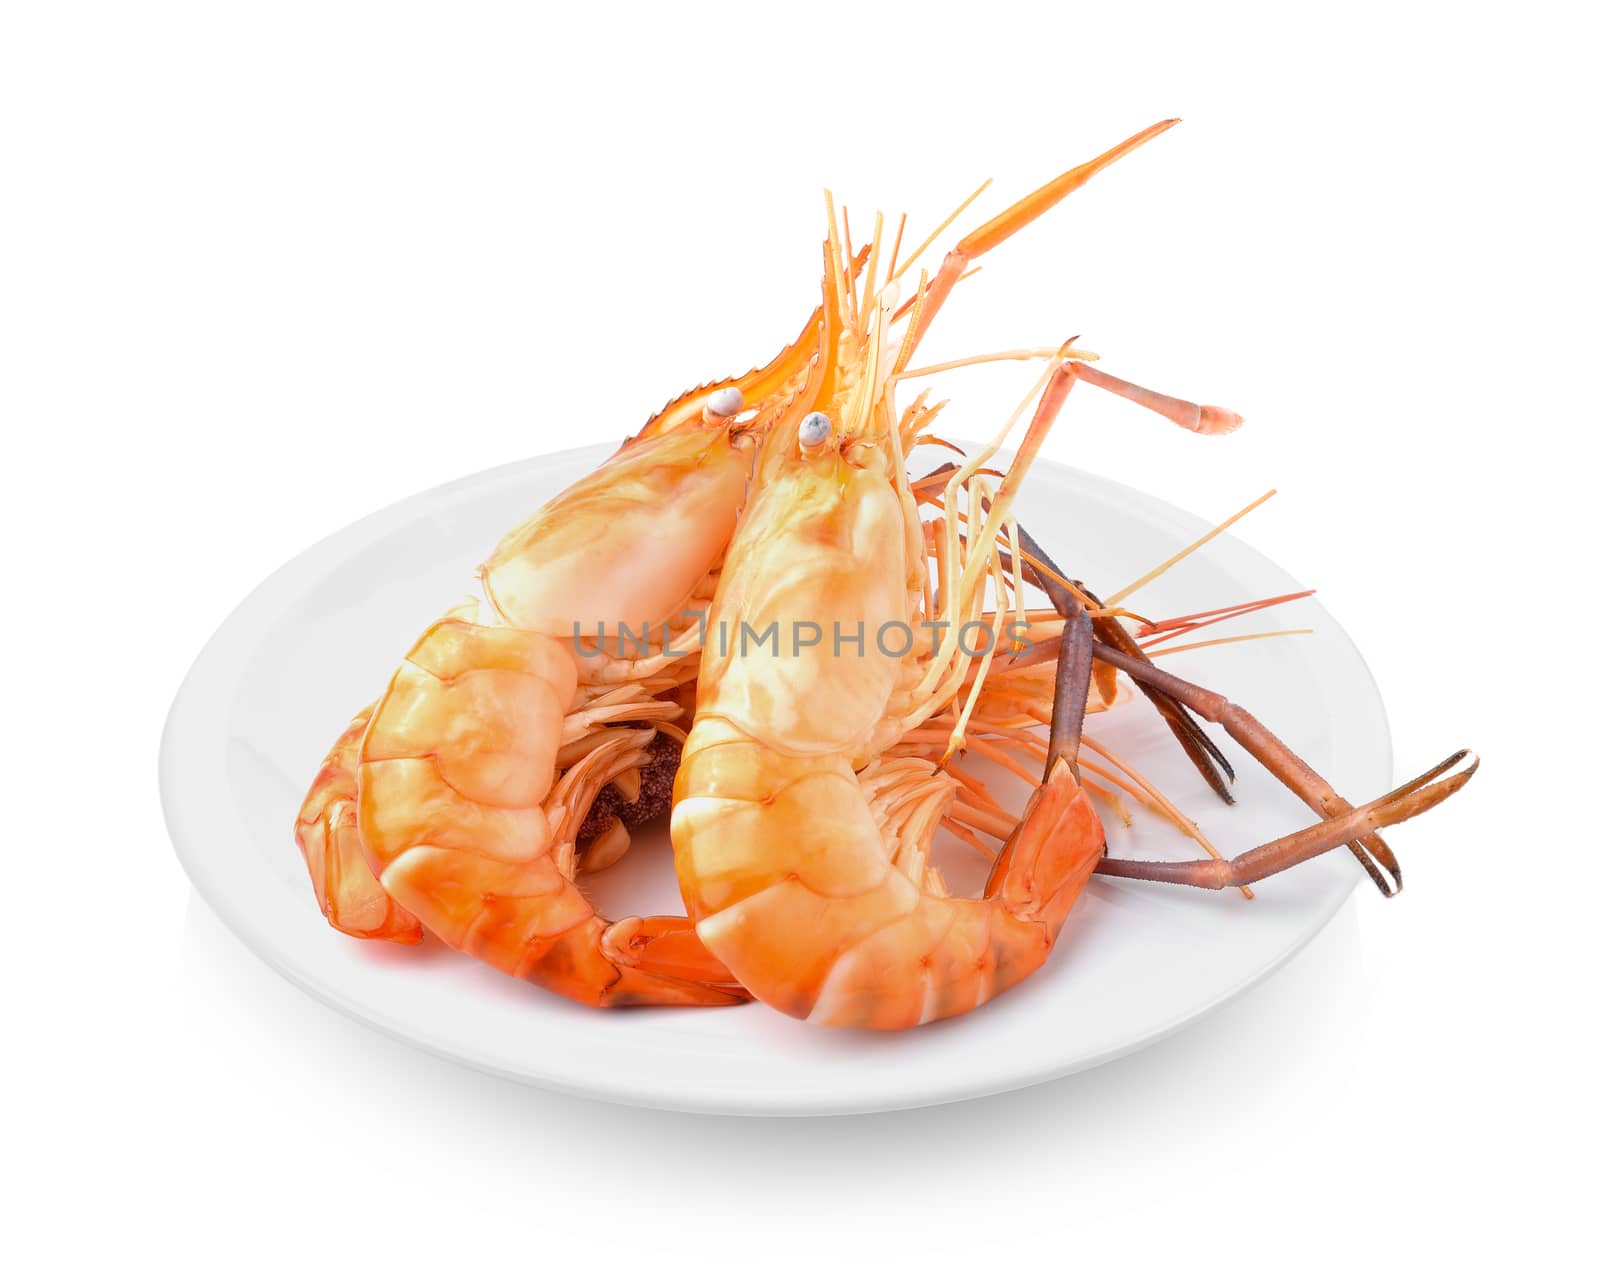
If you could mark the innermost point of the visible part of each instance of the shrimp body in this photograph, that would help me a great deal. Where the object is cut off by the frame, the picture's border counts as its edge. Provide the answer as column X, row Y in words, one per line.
column 805, row 808
column 467, row 806
column 801, row 836
column 455, row 802
column 635, row 540
column 802, row 859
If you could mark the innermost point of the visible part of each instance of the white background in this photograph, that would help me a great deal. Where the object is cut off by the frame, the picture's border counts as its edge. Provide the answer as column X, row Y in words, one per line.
column 267, row 268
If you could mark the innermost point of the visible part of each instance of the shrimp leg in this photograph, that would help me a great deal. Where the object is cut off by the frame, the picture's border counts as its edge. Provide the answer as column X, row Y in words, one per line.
column 1075, row 665
column 1405, row 802
column 1286, row 766
column 1016, row 217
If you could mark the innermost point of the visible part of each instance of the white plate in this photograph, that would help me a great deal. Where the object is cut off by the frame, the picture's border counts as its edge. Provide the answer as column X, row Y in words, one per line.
column 319, row 637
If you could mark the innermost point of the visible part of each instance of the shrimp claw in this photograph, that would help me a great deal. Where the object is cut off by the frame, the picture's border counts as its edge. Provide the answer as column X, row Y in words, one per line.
column 1405, row 802
column 1283, row 762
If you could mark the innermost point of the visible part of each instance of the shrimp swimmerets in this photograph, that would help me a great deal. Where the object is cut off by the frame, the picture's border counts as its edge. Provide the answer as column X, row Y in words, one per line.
column 802, row 856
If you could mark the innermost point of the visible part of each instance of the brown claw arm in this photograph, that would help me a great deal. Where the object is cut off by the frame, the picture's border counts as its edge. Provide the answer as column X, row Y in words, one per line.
column 1208, row 759
column 1405, row 802
column 1287, row 766
column 1110, row 643
column 1074, row 660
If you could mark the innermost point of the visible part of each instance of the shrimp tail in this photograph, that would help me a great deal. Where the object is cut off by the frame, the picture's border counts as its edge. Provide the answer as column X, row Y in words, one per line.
column 1050, row 856
column 662, row 956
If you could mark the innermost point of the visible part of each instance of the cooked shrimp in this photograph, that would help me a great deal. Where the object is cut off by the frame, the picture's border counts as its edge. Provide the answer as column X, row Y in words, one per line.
column 801, row 841
column 497, row 732
column 455, row 803
column 801, row 852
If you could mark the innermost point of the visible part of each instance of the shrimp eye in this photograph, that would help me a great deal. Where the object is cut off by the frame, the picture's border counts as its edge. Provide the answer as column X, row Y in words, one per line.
column 725, row 402
column 815, row 430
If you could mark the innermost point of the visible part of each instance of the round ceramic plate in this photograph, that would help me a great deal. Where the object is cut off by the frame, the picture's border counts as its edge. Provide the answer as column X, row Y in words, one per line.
column 318, row 639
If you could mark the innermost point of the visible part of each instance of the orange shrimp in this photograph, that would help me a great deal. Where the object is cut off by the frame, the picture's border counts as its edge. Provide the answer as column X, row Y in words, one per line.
column 802, row 858
column 496, row 733
column 801, row 848
column 454, row 802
